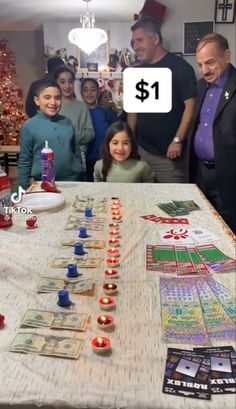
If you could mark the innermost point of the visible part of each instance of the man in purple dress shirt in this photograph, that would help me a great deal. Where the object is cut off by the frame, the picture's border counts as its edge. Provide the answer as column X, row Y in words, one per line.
column 213, row 143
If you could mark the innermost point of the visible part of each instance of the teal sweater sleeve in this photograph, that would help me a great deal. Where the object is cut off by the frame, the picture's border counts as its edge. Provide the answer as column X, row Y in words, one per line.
column 59, row 133
column 26, row 156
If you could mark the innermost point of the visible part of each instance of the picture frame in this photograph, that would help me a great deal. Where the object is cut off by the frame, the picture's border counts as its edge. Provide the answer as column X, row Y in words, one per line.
column 225, row 11
column 92, row 66
column 193, row 32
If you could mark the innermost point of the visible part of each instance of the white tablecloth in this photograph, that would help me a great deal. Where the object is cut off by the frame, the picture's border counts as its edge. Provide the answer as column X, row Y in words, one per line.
column 132, row 376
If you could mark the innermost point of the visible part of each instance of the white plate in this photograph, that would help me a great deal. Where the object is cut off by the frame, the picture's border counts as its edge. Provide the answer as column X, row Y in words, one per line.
column 42, row 201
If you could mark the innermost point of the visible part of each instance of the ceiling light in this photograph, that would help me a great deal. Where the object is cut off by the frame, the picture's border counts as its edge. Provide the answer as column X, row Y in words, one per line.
column 87, row 38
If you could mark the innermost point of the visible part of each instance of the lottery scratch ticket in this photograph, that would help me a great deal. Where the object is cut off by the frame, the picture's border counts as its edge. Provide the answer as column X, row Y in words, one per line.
column 218, row 324
column 225, row 297
column 182, row 319
column 161, row 258
column 215, row 259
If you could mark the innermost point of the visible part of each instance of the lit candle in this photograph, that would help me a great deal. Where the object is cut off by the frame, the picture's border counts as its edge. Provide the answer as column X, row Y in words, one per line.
column 101, row 344
column 113, row 262
column 105, row 321
column 116, row 212
column 114, row 226
column 117, row 218
column 109, row 288
column 111, row 272
column 116, row 201
column 106, row 303
column 113, row 252
column 115, row 207
column 114, row 233
column 114, row 242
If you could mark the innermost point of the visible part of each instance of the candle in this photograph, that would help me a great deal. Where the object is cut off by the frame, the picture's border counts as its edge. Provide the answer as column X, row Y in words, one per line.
column 114, row 233
column 116, row 212
column 115, row 207
column 106, row 303
column 111, row 272
column 113, row 252
column 109, row 288
column 114, row 242
column 113, row 262
column 116, row 201
column 114, row 226
column 117, row 218
column 101, row 344
column 105, row 321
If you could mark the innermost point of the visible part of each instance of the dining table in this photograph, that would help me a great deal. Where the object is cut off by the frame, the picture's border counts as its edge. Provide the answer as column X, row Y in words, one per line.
column 130, row 375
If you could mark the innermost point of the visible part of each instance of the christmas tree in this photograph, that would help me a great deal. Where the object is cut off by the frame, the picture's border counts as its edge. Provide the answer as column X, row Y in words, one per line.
column 11, row 106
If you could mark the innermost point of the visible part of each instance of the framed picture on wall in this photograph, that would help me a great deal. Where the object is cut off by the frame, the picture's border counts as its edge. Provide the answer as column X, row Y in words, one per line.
column 193, row 32
column 225, row 11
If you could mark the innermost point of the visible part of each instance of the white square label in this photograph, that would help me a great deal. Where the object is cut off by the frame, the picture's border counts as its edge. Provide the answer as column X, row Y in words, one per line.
column 147, row 90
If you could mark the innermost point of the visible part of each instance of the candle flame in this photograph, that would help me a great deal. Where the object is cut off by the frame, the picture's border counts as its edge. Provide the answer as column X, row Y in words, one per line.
column 100, row 340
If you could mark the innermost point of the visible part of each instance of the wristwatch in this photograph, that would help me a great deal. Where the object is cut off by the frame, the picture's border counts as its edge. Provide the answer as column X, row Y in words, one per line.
column 176, row 140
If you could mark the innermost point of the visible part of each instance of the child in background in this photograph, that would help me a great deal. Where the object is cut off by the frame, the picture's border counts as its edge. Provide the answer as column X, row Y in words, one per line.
column 48, row 125
column 101, row 117
column 120, row 158
column 75, row 110
column 106, row 100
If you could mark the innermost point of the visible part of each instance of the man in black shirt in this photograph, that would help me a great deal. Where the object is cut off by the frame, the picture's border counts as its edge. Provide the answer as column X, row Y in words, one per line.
column 161, row 136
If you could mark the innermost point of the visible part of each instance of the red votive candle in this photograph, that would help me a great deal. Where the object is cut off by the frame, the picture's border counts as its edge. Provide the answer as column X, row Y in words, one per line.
column 113, row 252
column 113, row 262
column 114, row 242
column 109, row 288
column 106, row 302
column 101, row 344
column 104, row 321
column 111, row 272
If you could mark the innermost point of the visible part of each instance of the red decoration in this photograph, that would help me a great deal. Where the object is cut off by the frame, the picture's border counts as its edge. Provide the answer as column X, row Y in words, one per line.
column 153, row 9
column 2, row 318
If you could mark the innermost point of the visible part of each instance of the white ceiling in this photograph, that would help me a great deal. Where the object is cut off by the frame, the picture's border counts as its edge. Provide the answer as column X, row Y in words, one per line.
column 31, row 14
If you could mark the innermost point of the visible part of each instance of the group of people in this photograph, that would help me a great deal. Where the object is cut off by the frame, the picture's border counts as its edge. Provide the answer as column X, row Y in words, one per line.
column 195, row 141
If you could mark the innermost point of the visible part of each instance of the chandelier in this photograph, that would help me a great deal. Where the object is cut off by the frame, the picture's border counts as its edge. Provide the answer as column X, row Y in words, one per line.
column 87, row 38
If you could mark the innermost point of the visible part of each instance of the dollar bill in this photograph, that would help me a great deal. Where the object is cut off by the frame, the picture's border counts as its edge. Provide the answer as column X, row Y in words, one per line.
column 75, row 286
column 88, row 244
column 98, row 205
column 29, row 342
column 82, row 220
column 88, row 225
column 55, row 320
column 60, row 262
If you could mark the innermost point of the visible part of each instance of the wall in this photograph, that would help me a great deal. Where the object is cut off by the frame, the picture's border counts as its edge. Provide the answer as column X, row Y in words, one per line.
column 28, row 46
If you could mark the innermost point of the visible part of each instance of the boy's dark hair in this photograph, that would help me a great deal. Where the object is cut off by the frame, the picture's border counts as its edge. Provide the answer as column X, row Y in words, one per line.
column 61, row 68
column 45, row 83
column 105, row 151
column 149, row 25
column 90, row 80
column 53, row 62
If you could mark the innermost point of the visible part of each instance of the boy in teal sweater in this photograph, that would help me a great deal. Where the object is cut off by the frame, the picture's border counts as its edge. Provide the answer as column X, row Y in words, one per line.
column 58, row 130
